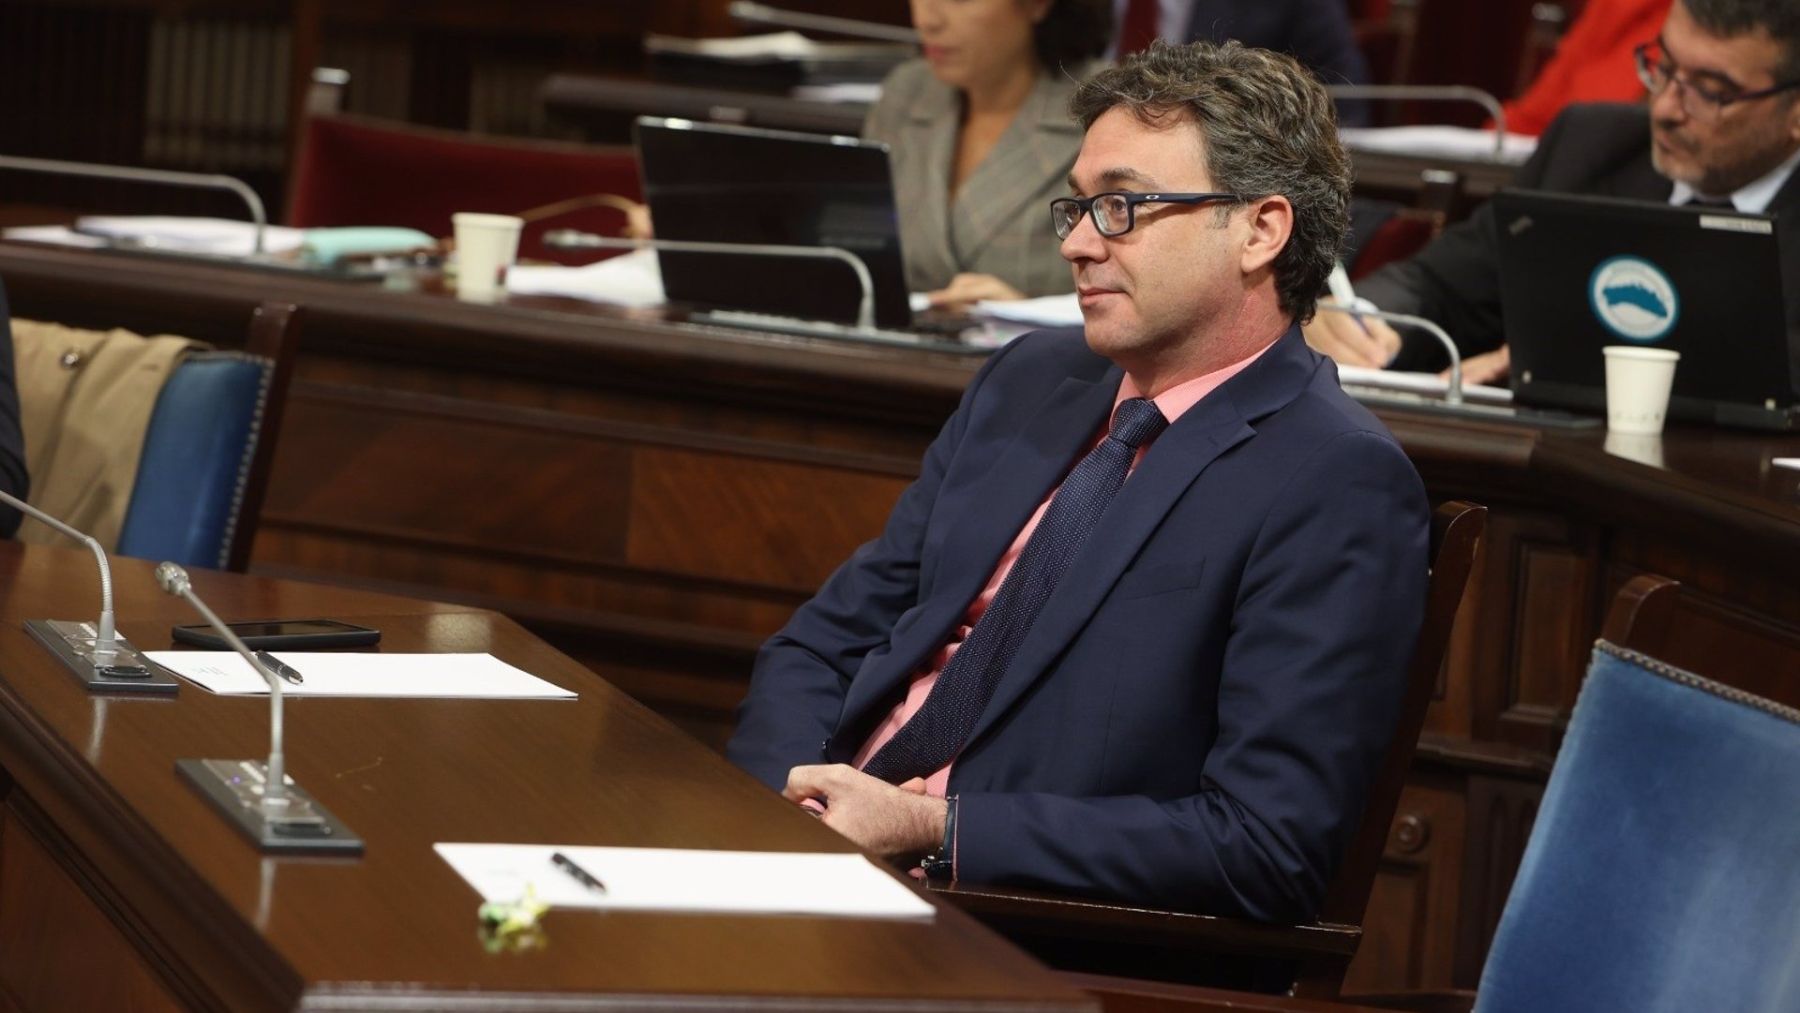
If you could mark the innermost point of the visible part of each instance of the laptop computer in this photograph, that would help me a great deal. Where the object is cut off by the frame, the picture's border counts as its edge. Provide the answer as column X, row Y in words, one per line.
column 1580, row 273
column 714, row 183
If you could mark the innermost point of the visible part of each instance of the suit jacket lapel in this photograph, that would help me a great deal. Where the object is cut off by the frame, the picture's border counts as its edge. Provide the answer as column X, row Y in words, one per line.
column 982, row 518
column 1177, row 458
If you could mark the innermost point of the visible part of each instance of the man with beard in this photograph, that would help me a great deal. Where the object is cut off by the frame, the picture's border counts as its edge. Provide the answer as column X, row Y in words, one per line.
column 1722, row 128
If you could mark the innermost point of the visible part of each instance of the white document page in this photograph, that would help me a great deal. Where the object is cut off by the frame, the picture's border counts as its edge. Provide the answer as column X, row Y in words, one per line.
column 633, row 279
column 331, row 673
column 665, row 879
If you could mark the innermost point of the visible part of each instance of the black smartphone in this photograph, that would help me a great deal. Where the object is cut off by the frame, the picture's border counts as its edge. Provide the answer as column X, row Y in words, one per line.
column 281, row 635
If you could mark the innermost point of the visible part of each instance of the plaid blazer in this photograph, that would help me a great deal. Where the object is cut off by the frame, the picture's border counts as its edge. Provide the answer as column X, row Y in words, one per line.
column 999, row 223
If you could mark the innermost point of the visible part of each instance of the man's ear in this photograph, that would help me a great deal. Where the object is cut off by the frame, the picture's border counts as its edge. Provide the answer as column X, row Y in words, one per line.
column 1271, row 221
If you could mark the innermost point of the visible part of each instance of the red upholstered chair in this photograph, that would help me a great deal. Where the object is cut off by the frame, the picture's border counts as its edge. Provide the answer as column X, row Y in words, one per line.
column 359, row 171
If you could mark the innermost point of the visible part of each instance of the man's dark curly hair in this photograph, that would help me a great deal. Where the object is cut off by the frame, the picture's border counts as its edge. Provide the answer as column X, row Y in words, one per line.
column 1269, row 128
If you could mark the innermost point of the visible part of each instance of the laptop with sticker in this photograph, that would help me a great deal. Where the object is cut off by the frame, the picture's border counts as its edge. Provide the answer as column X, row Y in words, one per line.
column 1580, row 273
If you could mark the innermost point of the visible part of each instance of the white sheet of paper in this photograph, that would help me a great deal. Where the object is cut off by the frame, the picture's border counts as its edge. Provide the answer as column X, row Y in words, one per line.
column 1044, row 311
column 330, row 673
column 634, row 279
column 666, row 879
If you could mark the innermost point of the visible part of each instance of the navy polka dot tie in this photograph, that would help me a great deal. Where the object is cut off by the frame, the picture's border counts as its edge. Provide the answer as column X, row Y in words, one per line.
column 936, row 733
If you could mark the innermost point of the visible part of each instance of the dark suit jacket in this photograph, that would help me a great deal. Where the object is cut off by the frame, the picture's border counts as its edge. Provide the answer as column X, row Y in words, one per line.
column 13, row 477
column 1195, row 717
column 1316, row 32
column 1601, row 149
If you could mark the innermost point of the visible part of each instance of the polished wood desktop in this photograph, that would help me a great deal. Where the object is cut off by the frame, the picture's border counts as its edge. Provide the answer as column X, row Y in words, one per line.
column 654, row 498
column 120, row 887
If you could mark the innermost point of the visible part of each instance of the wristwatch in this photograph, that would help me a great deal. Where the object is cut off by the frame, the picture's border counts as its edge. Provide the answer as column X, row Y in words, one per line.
column 941, row 864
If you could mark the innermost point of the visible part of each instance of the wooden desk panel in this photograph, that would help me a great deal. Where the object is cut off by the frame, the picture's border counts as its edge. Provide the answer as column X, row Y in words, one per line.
column 654, row 498
column 222, row 927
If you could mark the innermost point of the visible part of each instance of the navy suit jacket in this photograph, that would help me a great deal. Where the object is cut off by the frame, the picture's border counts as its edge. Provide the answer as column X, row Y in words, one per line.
column 1197, row 713
column 13, row 477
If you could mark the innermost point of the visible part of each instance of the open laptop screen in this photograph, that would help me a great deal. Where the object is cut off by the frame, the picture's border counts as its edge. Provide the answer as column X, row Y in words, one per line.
column 1580, row 273
column 741, row 185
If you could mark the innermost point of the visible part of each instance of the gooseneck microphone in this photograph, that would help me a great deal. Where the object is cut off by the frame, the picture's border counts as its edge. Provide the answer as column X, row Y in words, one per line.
column 173, row 579
column 258, row 798
column 1453, row 393
column 96, row 655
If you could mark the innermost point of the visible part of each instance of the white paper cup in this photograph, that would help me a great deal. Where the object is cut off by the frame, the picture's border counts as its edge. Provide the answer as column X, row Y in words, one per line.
column 1637, row 387
column 485, row 246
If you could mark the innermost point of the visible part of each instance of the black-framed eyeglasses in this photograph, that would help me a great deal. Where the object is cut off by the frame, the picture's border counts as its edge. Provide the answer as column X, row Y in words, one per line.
column 1700, row 99
column 1116, row 213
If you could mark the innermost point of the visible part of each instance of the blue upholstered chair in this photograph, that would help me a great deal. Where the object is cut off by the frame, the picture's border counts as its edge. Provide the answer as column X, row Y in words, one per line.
column 1663, row 872
column 207, row 450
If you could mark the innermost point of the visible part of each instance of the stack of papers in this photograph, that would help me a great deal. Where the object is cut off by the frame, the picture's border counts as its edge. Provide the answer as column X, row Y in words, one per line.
column 634, row 279
column 333, row 673
column 220, row 237
column 663, row 879
column 772, row 47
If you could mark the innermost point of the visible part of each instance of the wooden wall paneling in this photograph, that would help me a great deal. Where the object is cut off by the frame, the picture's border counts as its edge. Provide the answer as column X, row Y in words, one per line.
column 1539, row 585
column 1501, row 812
column 1405, row 942
column 58, row 949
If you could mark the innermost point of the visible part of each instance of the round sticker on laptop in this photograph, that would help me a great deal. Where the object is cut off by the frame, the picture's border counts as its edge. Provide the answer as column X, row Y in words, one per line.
column 1634, row 299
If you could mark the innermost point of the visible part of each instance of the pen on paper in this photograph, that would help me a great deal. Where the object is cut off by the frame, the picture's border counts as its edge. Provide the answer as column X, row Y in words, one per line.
column 281, row 668
column 576, row 872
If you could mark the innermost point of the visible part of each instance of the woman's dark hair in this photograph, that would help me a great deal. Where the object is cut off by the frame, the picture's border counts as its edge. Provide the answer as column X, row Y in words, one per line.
column 1072, row 33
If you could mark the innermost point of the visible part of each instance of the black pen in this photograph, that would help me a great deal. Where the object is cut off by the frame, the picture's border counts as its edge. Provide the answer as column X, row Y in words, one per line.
column 286, row 671
column 576, row 872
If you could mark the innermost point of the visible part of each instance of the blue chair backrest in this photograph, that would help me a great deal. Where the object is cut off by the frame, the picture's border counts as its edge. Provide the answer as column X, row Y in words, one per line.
column 1663, row 873
column 197, row 455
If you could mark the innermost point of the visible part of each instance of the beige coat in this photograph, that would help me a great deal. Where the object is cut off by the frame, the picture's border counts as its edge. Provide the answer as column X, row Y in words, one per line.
column 85, row 399
column 999, row 223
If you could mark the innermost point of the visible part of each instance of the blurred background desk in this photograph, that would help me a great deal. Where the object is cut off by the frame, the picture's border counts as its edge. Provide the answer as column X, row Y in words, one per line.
column 120, row 887
column 655, row 498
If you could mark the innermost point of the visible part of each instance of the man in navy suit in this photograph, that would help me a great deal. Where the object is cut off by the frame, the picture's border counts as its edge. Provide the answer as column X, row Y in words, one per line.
column 1183, row 702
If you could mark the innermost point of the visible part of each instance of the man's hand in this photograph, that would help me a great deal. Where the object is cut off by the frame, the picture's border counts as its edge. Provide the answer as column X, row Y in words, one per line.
column 965, row 290
column 893, row 822
column 1353, row 341
column 1488, row 367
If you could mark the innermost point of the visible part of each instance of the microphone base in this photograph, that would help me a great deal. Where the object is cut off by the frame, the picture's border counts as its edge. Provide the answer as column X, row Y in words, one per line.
column 125, row 671
column 234, row 787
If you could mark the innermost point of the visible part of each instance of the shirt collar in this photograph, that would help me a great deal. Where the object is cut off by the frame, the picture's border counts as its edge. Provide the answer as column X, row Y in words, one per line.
column 1752, row 198
column 1186, row 394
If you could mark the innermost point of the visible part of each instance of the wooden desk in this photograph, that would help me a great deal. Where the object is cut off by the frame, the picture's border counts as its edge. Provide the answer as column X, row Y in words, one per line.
column 655, row 499
column 120, row 887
